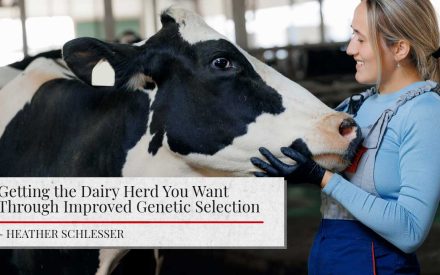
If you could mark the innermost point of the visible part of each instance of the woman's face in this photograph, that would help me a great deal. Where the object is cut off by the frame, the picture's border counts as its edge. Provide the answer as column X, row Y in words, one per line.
column 360, row 47
column 362, row 50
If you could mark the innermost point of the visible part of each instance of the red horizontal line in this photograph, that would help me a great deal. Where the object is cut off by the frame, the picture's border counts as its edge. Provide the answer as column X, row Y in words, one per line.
column 131, row 222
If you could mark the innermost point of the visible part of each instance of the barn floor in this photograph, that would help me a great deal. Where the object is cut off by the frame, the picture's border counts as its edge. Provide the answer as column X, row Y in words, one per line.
column 303, row 220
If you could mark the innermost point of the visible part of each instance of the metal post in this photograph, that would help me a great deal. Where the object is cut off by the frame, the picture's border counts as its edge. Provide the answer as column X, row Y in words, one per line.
column 322, row 24
column 149, row 20
column 238, row 15
column 143, row 29
column 109, row 21
column 197, row 7
column 22, row 7
column 155, row 12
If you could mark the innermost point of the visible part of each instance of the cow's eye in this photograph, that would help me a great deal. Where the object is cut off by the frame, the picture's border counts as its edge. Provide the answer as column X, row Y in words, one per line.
column 221, row 63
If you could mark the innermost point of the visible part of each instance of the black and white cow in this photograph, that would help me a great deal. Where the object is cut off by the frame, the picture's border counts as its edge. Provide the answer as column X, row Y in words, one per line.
column 186, row 102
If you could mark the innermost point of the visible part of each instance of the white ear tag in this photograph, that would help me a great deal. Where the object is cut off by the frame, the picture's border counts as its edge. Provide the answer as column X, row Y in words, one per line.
column 103, row 74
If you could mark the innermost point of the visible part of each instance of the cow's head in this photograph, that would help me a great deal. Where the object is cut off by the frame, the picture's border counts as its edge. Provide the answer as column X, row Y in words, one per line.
column 214, row 105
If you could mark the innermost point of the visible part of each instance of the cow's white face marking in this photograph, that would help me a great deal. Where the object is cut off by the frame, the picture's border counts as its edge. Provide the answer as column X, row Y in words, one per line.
column 18, row 92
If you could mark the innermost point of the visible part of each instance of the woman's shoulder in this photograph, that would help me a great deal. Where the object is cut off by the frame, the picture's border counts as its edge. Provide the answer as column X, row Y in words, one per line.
column 426, row 102
column 421, row 112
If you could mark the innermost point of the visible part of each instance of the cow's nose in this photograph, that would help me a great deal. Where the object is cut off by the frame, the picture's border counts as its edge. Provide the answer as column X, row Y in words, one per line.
column 348, row 129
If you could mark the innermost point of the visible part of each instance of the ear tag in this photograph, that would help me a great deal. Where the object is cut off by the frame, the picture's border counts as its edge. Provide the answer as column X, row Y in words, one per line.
column 103, row 74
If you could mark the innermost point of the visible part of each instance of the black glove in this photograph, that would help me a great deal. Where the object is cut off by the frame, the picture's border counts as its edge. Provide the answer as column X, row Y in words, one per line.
column 304, row 171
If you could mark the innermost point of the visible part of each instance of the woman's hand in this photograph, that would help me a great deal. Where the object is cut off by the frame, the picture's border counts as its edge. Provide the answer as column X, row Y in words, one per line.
column 305, row 170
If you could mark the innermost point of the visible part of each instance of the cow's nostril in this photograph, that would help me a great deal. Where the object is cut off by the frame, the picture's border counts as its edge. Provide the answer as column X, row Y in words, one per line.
column 348, row 128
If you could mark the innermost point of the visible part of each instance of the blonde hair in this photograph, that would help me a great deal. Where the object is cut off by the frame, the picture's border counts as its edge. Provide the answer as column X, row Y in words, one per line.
column 409, row 20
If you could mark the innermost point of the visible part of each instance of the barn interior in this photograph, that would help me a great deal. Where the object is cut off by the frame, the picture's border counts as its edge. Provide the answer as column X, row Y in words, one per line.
column 305, row 40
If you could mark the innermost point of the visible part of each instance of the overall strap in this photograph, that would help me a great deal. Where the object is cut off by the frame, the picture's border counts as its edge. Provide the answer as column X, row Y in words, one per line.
column 373, row 135
column 354, row 102
column 436, row 89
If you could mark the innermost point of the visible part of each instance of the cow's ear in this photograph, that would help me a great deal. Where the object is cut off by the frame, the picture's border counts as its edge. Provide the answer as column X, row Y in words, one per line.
column 89, row 56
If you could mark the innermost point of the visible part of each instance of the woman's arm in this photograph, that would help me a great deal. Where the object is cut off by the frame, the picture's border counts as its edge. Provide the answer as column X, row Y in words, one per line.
column 405, row 222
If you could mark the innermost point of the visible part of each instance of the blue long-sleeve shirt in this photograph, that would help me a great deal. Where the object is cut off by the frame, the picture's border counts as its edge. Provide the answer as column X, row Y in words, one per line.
column 406, row 173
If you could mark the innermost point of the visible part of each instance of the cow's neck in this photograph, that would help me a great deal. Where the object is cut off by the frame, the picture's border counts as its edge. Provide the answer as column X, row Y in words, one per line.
column 163, row 163
column 139, row 163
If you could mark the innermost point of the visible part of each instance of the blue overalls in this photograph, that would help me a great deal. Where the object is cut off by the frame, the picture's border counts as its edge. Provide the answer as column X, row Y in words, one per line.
column 343, row 245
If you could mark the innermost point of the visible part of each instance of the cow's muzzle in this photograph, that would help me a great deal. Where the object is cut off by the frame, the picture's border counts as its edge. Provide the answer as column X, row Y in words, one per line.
column 352, row 132
column 337, row 140
column 347, row 129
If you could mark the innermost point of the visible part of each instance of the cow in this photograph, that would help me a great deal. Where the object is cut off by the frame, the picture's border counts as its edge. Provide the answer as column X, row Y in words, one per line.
column 185, row 102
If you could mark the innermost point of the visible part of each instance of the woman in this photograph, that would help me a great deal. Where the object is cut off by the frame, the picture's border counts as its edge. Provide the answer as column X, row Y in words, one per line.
column 380, row 210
